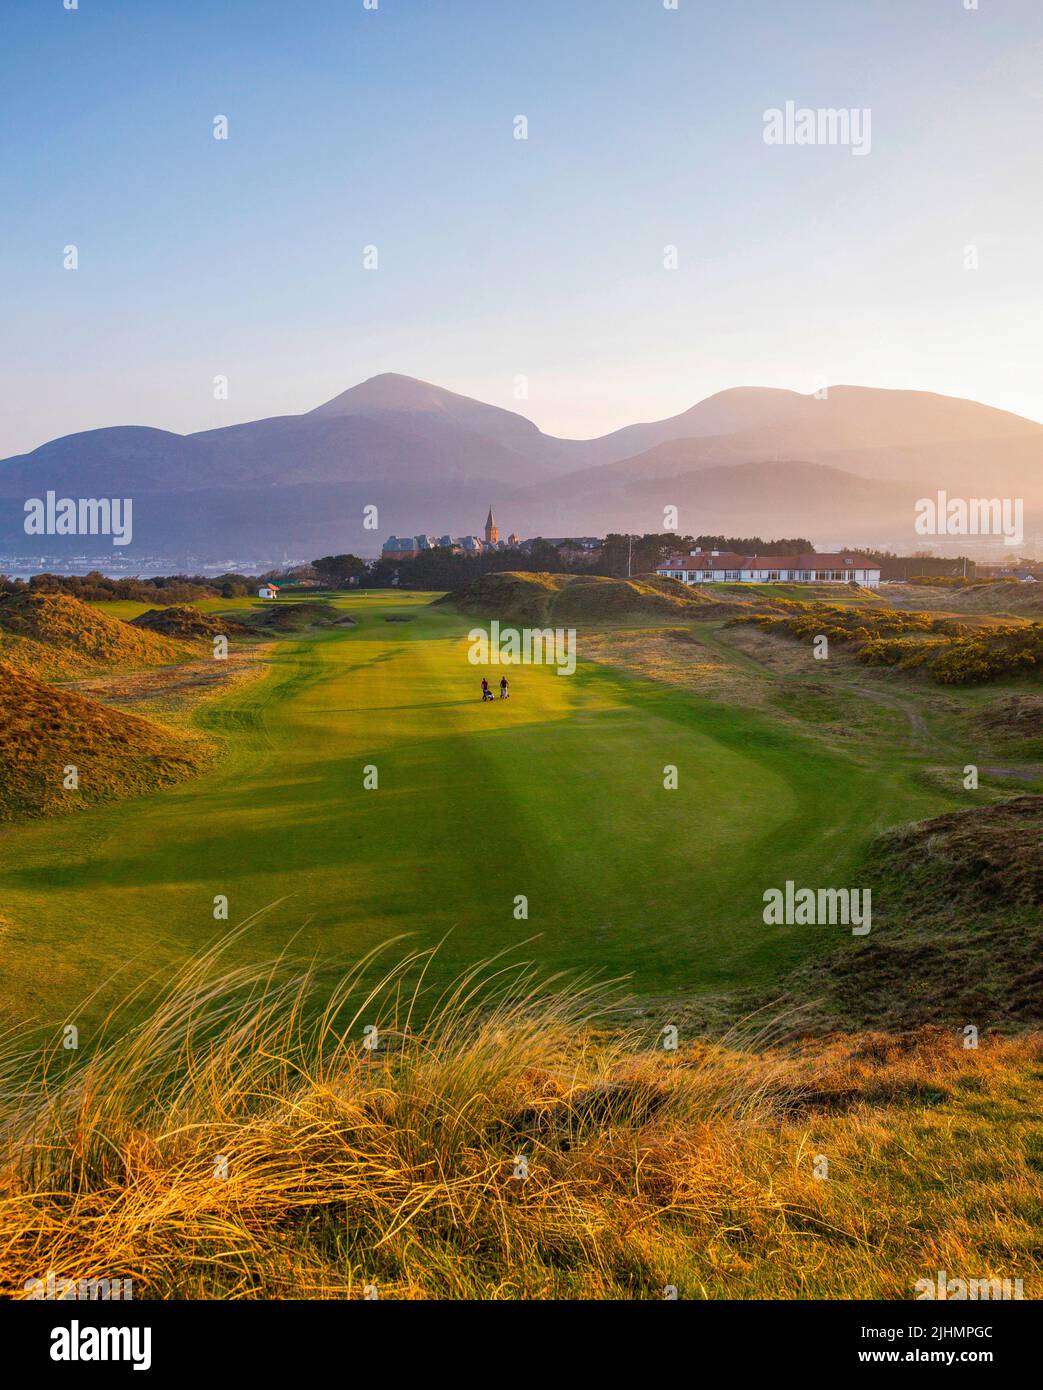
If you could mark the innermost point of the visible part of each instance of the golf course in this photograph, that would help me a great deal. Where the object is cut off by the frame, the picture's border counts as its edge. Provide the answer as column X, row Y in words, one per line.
column 242, row 1113
column 555, row 796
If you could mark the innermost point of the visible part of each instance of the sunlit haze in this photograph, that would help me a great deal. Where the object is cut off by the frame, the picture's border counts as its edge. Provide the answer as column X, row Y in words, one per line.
column 502, row 258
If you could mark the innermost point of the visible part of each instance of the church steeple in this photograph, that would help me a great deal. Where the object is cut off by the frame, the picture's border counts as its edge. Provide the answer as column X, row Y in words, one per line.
column 492, row 531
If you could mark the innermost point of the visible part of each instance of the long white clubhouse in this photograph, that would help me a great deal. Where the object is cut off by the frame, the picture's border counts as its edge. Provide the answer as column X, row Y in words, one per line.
column 721, row 566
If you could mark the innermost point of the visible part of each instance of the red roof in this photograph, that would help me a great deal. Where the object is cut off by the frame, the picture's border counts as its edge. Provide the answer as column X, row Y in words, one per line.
column 837, row 560
column 724, row 560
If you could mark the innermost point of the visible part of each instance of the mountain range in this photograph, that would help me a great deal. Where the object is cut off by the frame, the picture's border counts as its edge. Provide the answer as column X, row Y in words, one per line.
column 842, row 467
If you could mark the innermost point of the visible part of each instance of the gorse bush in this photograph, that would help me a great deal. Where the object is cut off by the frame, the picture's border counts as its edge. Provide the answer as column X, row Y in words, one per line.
column 991, row 652
column 906, row 656
column 846, row 623
column 952, row 653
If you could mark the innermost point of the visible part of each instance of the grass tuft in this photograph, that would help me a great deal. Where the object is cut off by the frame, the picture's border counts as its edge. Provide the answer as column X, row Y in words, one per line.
column 508, row 1138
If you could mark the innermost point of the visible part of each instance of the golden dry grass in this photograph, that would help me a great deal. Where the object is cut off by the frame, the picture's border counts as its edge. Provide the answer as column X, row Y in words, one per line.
column 675, row 656
column 170, row 694
column 44, row 731
column 53, row 637
column 506, row 1140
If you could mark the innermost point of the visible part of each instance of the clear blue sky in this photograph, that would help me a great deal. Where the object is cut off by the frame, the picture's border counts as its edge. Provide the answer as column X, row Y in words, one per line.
column 500, row 257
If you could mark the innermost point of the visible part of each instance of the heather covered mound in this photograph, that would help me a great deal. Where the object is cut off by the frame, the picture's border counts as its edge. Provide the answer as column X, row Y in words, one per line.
column 1025, row 600
column 968, row 863
column 185, row 623
column 957, row 934
column 554, row 600
column 1016, row 720
column 44, row 730
column 57, row 637
column 296, row 617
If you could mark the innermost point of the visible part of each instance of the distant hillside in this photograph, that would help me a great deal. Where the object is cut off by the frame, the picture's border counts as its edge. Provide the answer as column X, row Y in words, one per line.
column 555, row 600
column 432, row 461
column 781, row 497
column 852, row 464
column 116, row 755
column 57, row 637
column 750, row 422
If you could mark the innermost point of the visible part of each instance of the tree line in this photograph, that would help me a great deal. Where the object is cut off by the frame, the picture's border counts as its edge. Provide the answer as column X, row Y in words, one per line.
column 619, row 555
column 96, row 587
column 438, row 568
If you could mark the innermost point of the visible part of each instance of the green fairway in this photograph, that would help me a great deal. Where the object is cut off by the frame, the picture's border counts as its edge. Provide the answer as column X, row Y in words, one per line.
column 556, row 795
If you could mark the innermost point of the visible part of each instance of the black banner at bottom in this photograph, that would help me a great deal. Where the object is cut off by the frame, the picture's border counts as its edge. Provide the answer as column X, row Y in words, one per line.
column 82, row 1337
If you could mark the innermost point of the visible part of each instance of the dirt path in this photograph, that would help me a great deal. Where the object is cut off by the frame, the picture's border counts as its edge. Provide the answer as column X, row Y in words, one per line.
column 918, row 725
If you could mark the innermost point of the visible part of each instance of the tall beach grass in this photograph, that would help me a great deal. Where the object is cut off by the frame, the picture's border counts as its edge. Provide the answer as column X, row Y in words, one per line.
column 241, row 1136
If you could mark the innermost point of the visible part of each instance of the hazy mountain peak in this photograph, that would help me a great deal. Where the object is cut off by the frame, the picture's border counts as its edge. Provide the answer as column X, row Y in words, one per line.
column 394, row 391
column 435, row 460
column 406, row 401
